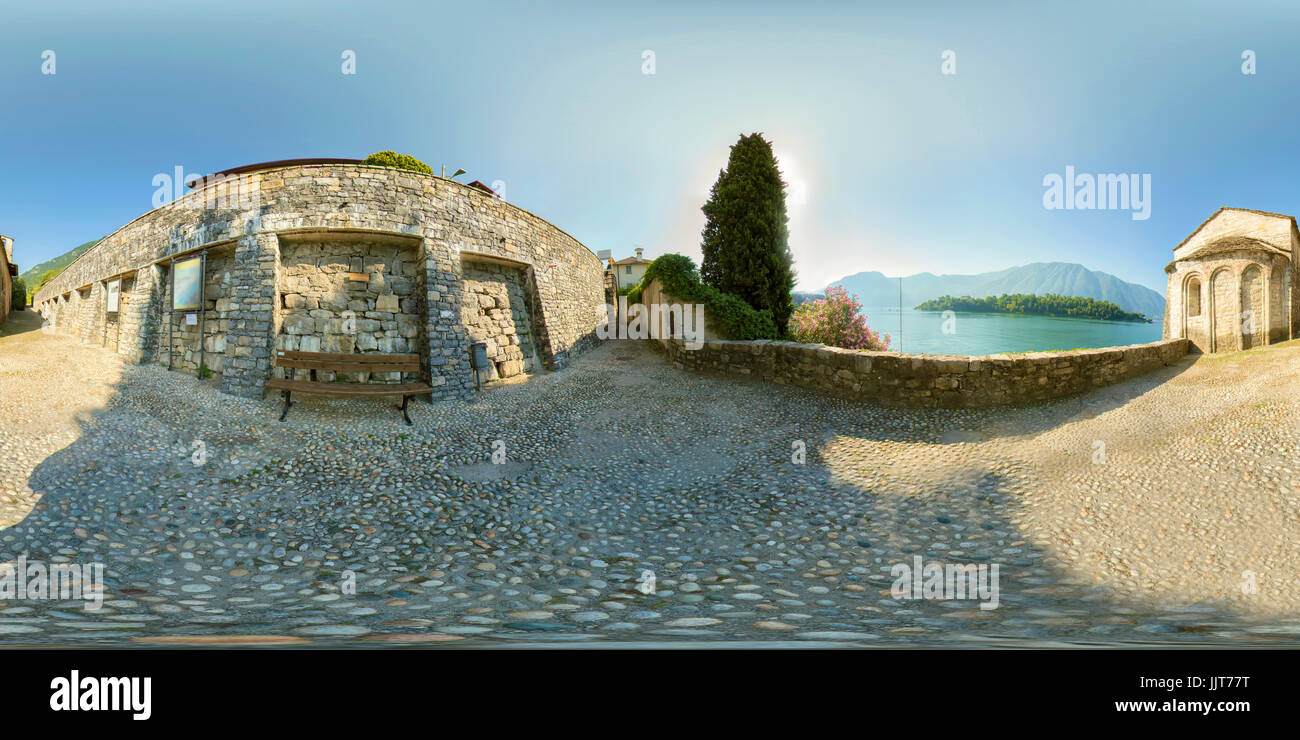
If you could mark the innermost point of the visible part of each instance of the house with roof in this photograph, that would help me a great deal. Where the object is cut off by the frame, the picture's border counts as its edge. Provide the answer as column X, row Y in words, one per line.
column 1232, row 284
column 629, row 270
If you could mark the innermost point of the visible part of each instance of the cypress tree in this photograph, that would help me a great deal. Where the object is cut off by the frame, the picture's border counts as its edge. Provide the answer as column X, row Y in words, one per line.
column 746, row 236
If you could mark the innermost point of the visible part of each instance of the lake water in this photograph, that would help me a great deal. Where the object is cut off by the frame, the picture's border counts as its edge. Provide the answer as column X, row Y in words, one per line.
column 991, row 333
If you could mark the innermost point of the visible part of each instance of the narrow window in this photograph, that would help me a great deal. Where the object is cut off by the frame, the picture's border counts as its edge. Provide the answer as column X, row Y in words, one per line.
column 1193, row 297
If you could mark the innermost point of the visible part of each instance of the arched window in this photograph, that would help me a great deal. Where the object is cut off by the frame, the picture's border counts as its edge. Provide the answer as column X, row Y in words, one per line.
column 1194, row 297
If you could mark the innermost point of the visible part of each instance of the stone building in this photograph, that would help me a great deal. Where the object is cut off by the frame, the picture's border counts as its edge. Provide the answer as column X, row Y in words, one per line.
column 8, row 271
column 1232, row 284
column 336, row 256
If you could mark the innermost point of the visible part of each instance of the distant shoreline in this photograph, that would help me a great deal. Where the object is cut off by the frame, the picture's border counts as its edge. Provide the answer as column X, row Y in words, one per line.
column 1142, row 320
column 1028, row 304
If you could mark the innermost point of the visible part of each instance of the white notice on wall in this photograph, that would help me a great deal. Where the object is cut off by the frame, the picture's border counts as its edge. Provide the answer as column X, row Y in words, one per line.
column 114, row 294
column 191, row 319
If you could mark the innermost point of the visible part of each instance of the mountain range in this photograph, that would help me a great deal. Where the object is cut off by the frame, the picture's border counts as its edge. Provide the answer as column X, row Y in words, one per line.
column 874, row 289
column 33, row 276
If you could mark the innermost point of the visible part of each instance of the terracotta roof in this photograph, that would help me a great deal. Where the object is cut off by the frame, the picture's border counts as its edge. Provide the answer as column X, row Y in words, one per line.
column 1230, row 208
column 631, row 261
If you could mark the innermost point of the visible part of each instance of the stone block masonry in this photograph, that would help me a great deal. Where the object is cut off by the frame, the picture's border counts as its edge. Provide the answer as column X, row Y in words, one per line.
column 496, row 310
column 347, row 296
column 943, row 381
column 282, row 268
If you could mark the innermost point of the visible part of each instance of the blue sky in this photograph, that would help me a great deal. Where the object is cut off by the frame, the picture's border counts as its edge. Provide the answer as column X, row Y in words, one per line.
column 897, row 167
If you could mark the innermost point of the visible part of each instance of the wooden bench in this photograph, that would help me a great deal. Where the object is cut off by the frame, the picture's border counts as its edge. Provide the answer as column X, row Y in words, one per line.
column 346, row 363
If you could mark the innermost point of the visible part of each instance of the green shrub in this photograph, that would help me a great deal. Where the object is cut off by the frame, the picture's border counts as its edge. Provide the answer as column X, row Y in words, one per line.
column 400, row 161
column 836, row 320
column 728, row 314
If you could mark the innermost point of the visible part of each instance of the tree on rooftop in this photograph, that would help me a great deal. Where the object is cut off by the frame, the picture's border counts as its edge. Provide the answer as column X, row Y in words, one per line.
column 400, row 161
column 746, row 235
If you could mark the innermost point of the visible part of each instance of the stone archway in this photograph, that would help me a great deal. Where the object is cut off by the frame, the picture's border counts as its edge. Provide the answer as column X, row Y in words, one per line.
column 1193, row 320
column 1253, row 315
column 1224, row 331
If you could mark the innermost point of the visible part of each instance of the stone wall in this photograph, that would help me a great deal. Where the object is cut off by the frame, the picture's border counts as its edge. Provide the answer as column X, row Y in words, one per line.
column 6, row 281
column 219, row 276
column 442, row 224
column 496, row 309
column 351, row 296
column 662, row 322
column 946, row 381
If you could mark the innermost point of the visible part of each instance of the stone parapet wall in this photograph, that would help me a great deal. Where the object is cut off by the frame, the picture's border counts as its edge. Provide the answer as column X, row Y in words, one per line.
column 440, row 222
column 944, row 381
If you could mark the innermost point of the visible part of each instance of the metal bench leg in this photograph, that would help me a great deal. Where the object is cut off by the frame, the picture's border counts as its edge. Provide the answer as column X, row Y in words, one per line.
column 287, row 404
column 405, row 399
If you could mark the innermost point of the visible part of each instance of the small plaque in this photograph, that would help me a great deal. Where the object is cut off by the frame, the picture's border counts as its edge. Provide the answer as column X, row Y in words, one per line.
column 191, row 319
column 114, row 294
column 359, row 277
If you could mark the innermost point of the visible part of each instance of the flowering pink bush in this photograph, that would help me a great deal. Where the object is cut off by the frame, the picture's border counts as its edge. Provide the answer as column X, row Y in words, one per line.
column 836, row 320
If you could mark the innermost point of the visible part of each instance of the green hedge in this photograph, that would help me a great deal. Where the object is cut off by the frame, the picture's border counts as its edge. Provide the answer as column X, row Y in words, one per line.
column 400, row 161
column 728, row 315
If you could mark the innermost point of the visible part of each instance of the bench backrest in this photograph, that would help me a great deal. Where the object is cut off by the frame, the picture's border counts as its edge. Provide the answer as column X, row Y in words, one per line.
column 348, row 363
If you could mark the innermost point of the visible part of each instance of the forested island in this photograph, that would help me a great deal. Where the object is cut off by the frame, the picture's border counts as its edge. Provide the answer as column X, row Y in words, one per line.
column 1072, row 307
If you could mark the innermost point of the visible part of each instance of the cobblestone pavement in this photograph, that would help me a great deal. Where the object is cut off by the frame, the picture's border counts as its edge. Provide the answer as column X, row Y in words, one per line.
column 1128, row 515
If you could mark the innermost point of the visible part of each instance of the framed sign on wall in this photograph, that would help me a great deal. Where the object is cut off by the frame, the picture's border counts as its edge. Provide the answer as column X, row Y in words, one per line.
column 114, row 294
column 187, row 284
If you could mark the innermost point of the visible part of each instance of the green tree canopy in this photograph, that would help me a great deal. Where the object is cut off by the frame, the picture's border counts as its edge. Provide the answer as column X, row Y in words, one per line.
column 746, row 234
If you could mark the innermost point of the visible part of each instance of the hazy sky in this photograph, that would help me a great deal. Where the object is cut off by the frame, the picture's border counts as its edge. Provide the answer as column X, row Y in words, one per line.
column 894, row 165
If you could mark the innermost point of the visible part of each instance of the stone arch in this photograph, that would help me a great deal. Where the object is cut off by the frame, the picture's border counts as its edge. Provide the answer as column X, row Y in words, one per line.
column 1277, row 299
column 1253, row 310
column 1224, row 334
column 1191, row 319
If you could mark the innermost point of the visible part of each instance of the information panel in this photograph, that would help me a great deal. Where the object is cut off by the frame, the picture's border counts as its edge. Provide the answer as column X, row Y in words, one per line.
column 187, row 279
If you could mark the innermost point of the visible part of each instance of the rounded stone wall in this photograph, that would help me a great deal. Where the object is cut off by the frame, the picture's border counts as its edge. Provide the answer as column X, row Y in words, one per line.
column 294, row 251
